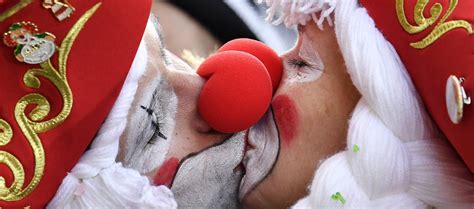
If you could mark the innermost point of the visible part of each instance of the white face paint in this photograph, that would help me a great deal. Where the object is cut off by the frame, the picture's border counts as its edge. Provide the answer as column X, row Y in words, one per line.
column 261, row 153
column 306, row 66
column 148, row 135
column 211, row 178
column 152, row 118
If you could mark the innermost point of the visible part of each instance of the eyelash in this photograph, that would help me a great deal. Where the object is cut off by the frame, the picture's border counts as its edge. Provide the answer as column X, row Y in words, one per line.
column 154, row 122
column 298, row 63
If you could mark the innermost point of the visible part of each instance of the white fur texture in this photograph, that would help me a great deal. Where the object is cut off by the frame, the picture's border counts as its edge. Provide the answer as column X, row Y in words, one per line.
column 402, row 161
column 98, row 181
column 299, row 12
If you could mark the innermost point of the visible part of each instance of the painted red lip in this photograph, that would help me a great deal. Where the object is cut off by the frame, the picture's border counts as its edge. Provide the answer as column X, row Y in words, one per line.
column 166, row 173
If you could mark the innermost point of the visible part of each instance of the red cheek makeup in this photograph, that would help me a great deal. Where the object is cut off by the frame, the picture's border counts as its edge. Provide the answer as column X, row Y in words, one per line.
column 286, row 117
column 165, row 174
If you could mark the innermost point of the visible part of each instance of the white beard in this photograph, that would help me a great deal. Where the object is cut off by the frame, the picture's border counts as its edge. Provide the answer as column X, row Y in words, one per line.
column 114, row 187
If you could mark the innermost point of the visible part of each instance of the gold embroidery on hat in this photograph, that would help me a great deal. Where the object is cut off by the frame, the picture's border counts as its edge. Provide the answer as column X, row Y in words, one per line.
column 13, row 10
column 8, row 159
column 6, row 132
column 423, row 23
column 32, row 125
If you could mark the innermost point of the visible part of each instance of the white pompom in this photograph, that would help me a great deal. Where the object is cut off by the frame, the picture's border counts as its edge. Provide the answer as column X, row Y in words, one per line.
column 299, row 12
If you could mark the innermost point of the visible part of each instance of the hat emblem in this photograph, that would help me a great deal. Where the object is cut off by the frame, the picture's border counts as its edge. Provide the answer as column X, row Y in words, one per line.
column 31, row 46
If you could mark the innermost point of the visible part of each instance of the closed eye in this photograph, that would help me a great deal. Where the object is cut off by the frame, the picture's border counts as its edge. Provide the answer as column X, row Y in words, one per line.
column 156, row 125
column 303, row 64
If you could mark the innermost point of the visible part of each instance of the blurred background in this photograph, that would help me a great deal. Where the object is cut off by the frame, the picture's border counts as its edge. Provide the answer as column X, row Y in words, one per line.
column 202, row 26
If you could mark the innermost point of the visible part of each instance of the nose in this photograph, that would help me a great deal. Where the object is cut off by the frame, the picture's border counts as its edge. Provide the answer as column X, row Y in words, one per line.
column 187, row 86
column 191, row 133
column 240, row 80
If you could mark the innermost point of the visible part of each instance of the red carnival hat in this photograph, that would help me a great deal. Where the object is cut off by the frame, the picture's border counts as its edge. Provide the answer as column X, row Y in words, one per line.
column 436, row 43
column 62, row 65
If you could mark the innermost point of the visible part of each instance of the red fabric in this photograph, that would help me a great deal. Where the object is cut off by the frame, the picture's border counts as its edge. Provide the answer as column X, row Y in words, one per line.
column 96, row 69
column 429, row 68
column 6, row 4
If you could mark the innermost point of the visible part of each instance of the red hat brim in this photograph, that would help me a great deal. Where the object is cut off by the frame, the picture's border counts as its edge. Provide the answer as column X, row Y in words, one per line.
column 97, row 65
column 452, row 53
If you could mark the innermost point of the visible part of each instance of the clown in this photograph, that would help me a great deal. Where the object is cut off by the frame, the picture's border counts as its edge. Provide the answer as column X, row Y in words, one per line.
column 358, row 135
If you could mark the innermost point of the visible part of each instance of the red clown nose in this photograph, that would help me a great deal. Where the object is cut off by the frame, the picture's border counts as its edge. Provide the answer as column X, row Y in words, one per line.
column 240, row 80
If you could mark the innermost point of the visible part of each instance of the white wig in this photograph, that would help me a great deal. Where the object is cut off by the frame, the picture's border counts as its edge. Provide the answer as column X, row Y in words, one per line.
column 395, row 156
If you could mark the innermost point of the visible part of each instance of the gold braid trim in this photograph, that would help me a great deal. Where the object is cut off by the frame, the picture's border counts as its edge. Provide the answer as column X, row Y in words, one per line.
column 32, row 125
column 13, row 10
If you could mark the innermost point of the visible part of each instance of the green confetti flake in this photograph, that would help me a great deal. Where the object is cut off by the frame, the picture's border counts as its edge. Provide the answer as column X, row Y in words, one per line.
column 356, row 148
column 338, row 197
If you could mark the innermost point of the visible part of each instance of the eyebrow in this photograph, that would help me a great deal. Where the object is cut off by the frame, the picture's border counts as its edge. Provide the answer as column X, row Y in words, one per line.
column 155, row 20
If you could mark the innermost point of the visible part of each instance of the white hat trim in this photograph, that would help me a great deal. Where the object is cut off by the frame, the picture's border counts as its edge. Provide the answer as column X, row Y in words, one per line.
column 299, row 12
